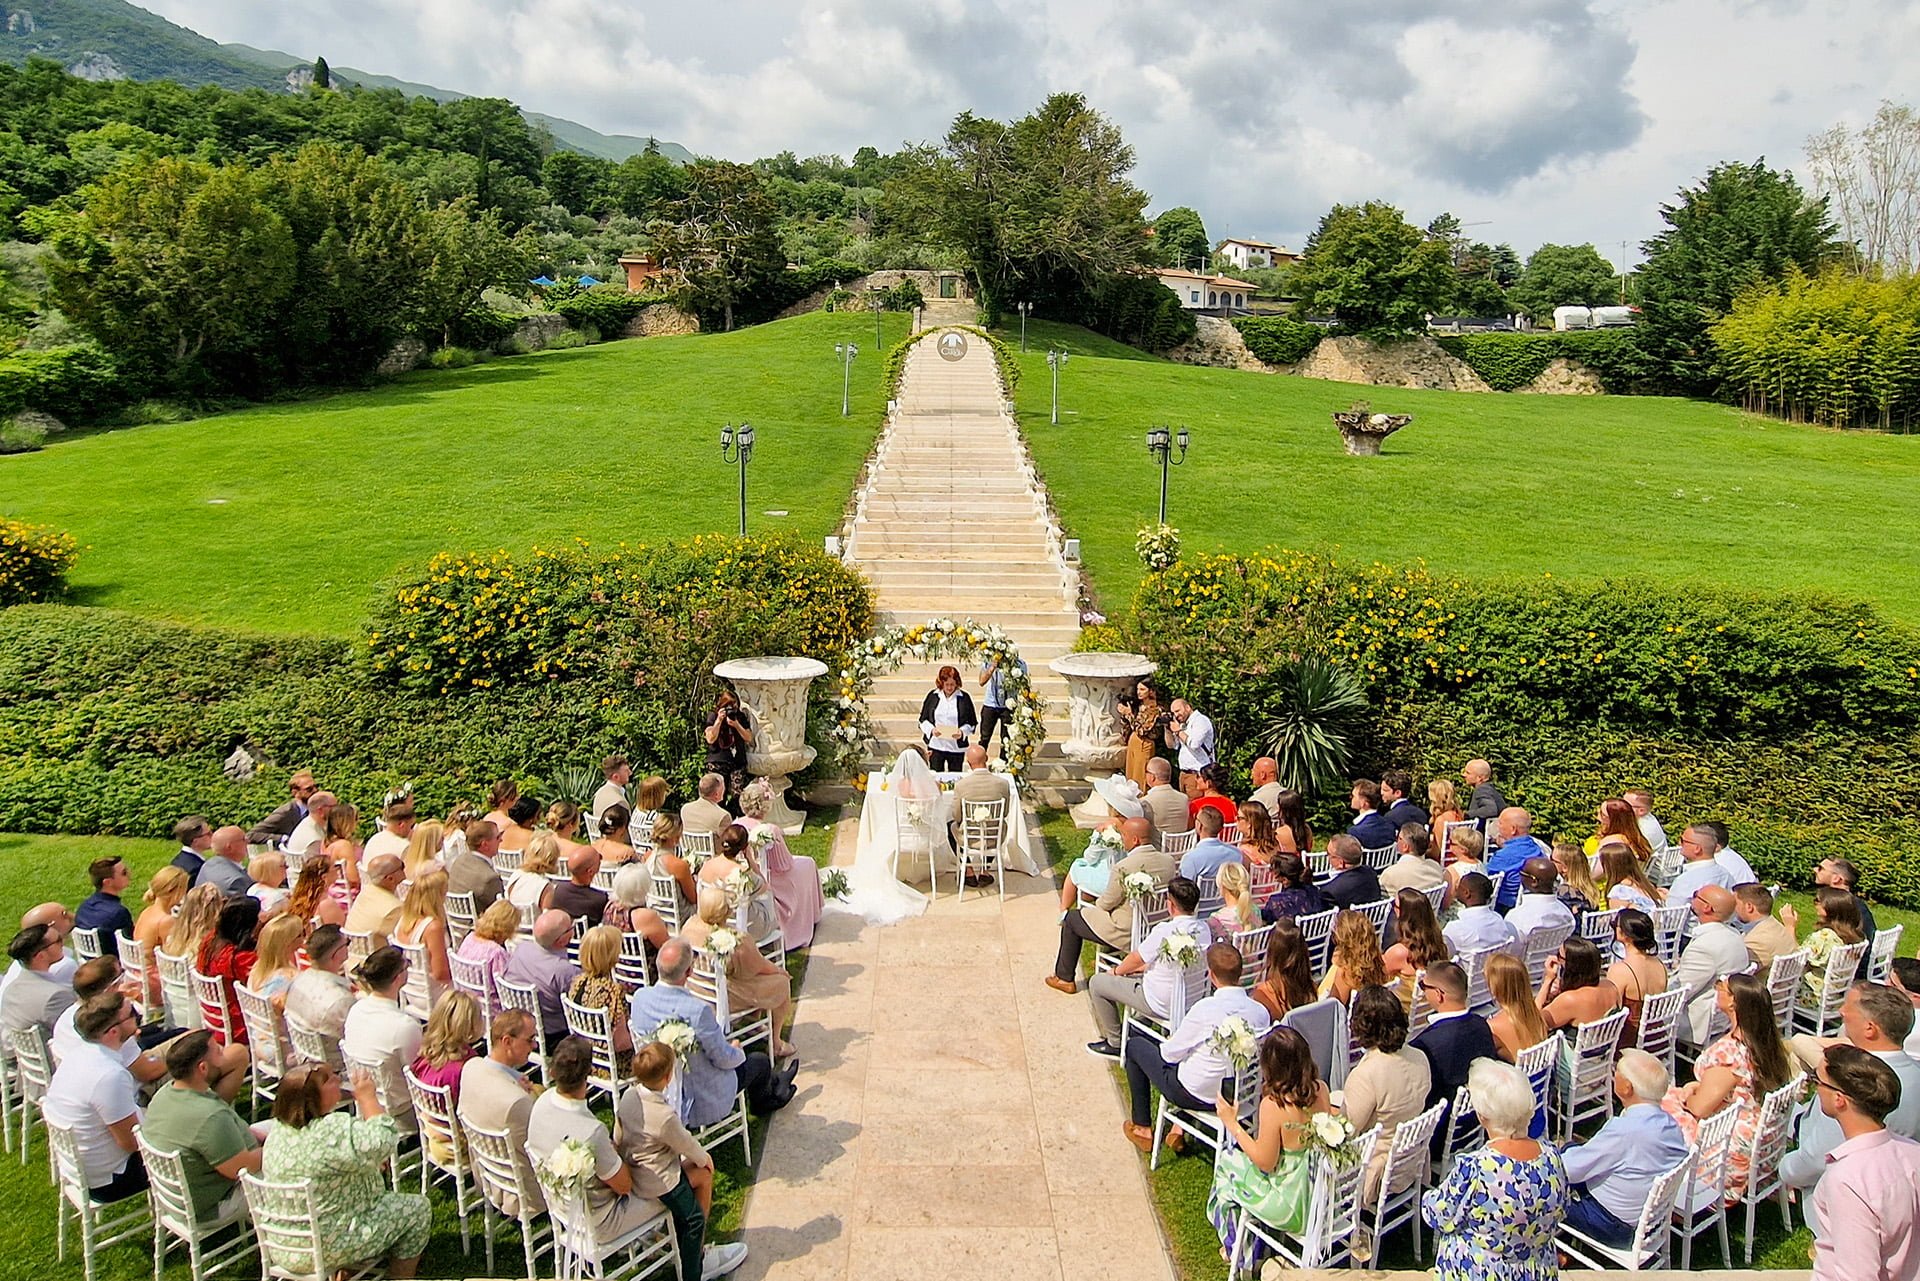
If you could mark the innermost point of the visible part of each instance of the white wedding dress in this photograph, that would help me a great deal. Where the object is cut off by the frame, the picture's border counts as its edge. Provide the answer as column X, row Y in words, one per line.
column 900, row 814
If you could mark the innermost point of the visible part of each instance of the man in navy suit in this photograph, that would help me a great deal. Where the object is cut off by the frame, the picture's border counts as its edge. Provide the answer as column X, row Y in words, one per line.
column 1396, row 786
column 1352, row 882
column 1455, row 1036
column 1371, row 828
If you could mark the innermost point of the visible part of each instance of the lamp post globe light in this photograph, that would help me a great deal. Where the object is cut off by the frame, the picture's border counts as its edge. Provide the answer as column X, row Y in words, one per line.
column 1023, row 308
column 879, row 296
column 1161, row 442
column 1055, row 359
column 736, row 446
column 846, row 351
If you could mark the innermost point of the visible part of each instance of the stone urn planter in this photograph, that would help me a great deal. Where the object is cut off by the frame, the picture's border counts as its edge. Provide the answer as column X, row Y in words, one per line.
column 774, row 692
column 1362, row 430
column 1096, row 683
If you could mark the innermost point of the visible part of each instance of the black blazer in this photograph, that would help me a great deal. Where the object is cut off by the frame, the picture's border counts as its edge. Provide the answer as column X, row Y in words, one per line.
column 1450, row 1046
column 1403, row 812
column 969, row 719
column 1352, row 887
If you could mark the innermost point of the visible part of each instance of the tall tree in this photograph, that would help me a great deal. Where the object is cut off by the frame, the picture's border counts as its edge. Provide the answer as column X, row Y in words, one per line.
column 584, row 184
column 1040, row 210
column 723, row 238
column 322, row 74
column 463, row 251
column 1745, row 224
column 1565, row 276
column 1180, row 238
column 644, row 185
column 1373, row 270
column 1872, row 178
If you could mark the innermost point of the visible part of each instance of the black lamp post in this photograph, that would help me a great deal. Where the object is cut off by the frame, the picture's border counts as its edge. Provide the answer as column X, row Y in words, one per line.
column 1161, row 442
column 736, row 445
column 1024, row 308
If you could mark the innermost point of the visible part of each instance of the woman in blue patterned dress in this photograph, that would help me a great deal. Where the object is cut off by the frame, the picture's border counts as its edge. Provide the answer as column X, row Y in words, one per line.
column 1495, row 1214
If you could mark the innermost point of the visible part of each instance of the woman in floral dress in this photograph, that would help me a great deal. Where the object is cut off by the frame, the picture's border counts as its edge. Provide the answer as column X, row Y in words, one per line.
column 1143, row 719
column 1736, row 1071
column 1837, row 920
column 340, row 1155
column 1495, row 1214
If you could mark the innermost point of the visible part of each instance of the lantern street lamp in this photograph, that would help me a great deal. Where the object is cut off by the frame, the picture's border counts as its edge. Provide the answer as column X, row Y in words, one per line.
column 879, row 297
column 1023, row 309
column 1055, row 359
column 846, row 351
column 736, row 445
column 1160, row 443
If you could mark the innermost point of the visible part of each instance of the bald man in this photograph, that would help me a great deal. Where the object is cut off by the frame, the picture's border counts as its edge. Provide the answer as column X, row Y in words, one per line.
column 1486, row 801
column 312, row 829
column 1110, row 919
column 1266, row 783
column 377, row 909
column 1165, row 804
column 543, row 964
column 1715, row 951
column 226, row 863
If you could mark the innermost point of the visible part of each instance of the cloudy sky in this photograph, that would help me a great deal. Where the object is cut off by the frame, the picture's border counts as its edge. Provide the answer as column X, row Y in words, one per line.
column 1531, row 120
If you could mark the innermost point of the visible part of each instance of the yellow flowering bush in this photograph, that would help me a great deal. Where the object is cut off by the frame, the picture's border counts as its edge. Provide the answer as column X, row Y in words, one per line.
column 34, row 561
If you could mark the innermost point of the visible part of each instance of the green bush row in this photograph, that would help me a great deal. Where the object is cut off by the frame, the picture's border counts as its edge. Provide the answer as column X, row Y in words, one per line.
column 608, row 308
column 1141, row 312
column 1278, row 340
column 1506, row 362
column 1839, row 350
column 78, row 383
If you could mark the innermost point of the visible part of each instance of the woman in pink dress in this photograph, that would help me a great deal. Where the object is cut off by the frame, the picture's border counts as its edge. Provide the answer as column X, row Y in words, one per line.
column 795, row 881
column 1736, row 1071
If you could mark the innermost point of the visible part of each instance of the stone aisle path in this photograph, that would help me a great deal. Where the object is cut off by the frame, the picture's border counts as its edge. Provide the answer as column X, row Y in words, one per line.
column 950, row 1122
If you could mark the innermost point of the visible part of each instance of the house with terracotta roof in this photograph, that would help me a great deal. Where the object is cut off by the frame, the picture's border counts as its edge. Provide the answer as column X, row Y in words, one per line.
column 1200, row 292
column 1244, row 254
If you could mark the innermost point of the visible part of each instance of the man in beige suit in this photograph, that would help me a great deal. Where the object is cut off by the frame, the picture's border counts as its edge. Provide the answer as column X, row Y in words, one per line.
column 1166, row 805
column 377, row 908
column 1110, row 919
column 707, row 814
column 977, row 783
column 495, row 1097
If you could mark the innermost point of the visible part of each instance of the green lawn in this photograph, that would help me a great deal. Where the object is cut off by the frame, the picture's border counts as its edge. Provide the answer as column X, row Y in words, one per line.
column 39, row 869
column 285, row 518
column 1481, row 484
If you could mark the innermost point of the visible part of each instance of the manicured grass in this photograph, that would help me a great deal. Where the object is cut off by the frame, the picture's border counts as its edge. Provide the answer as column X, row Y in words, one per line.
column 286, row 518
column 1478, row 484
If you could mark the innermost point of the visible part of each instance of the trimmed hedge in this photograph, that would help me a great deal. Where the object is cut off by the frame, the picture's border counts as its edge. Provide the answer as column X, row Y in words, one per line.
column 77, row 383
column 1278, row 340
column 1726, row 704
column 607, row 308
column 1506, row 362
column 34, row 560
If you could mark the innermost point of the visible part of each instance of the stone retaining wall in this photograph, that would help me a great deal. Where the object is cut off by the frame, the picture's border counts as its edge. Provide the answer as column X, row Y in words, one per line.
column 1415, row 362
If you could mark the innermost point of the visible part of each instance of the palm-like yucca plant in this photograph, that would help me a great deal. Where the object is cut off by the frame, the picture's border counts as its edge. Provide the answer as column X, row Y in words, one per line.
column 1310, row 731
column 576, row 783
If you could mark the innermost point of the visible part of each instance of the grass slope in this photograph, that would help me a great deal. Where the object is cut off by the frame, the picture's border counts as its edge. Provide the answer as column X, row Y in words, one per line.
column 286, row 518
column 1479, row 484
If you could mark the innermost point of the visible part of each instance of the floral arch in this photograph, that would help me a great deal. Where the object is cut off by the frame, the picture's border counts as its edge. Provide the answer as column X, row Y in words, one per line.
column 936, row 638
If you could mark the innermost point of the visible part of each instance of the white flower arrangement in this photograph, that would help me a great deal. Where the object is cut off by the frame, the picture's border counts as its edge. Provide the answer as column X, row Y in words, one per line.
column 677, row 1035
column 1158, row 547
column 1234, row 1040
column 738, row 884
column 761, row 837
column 833, row 884
column 721, row 943
column 1180, row 948
column 1332, row 1134
column 568, row 1171
column 1104, row 843
column 1138, row 884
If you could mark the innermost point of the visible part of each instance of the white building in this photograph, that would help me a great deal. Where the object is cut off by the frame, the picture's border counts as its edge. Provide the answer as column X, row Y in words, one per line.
column 1244, row 254
column 1205, row 293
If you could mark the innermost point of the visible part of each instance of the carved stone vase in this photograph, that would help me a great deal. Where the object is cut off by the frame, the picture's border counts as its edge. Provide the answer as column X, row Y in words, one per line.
column 774, row 692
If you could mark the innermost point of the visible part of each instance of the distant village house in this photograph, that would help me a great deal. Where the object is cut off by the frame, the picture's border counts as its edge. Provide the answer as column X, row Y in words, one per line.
column 1206, row 292
column 1245, row 254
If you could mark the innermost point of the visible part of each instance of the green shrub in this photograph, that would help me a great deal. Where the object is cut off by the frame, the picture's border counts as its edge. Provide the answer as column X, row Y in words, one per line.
column 1506, row 362
column 1142, row 312
column 144, row 413
column 1839, row 350
column 22, row 434
column 904, row 296
column 77, row 383
column 607, row 308
column 452, row 358
column 34, row 561
column 568, row 339
column 1279, row 340
column 484, row 327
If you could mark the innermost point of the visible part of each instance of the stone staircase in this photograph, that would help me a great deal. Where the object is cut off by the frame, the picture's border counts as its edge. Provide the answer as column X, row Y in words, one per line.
column 952, row 524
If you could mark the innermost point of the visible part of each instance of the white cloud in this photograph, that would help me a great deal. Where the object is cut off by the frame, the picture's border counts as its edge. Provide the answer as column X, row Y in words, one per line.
column 1561, row 120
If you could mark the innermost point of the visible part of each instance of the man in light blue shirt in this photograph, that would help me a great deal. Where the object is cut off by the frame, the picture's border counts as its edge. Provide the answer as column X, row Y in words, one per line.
column 717, row 1069
column 1209, row 853
column 1699, row 868
column 1612, row 1173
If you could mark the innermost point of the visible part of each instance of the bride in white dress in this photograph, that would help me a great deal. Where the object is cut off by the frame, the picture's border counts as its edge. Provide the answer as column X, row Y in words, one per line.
column 901, row 815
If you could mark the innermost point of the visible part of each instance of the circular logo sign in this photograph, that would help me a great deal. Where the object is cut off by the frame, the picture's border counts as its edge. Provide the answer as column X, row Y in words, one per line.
column 952, row 346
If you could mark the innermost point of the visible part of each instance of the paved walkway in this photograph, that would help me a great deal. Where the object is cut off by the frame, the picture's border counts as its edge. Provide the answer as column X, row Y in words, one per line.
column 950, row 1122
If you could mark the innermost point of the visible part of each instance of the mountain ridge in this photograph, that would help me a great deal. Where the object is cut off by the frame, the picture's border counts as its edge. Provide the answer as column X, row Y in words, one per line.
column 115, row 39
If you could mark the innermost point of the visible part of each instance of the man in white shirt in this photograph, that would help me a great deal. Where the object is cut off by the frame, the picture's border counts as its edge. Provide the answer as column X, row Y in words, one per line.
column 93, row 1095
column 1878, row 1019
column 1186, row 1068
column 1478, row 928
column 1714, row 951
column 1191, row 734
column 618, row 771
column 1726, row 856
column 312, row 829
column 1266, row 783
column 1539, row 907
column 34, row 998
column 1145, row 980
column 95, row 978
column 1699, row 867
column 1642, row 803
column 61, row 970
column 395, row 836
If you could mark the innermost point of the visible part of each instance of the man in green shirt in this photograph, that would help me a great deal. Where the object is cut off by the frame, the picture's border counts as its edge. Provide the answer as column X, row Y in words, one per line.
column 187, row 1117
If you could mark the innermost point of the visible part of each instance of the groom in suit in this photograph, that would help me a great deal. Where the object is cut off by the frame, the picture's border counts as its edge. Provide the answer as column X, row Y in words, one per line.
column 1455, row 1036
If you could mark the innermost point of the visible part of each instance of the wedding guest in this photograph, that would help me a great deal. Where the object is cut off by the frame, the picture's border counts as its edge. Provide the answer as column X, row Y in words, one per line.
column 1766, row 936
column 1736, row 1071
column 196, row 838
column 276, row 963
column 1837, row 924
column 705, row 813
column 542, row 962
column 1165, row 804
column 228, row 956
column 199, row 915
column 1476, row 927
column 627, row 909
column 1638, row 972
column 561, row 1115
column 1616, row 821
column 1445, row 808
column 1656, row 836
column 189, row 1118
column 563, row 819
column 1729, row 858
column 376, row 911
column 165, row 892
column 1538, row 907
column 578, row 896
column 1187, row 1068
column 1498, row 1209
column 493, row 932
column 1390, row 1083
column 423, row 923
column 1518, row 1024
column 1414, row 869
column 1259, row 843
column 649, row 803
column 1266, row 784
column 518, row 831
column 1624, row 880
column 614, row 845
column 597, row 988
column 1843, row 875
column 452, row 1032
column 495, row 1097
column 1190, row 735
column 342, row 1156
column 669, row 1165
column 1454, row 1036
column 796, row 881
column 1370, row 827
column 1209, row 853
column 1575, row 990
column 321, row 996
column 1418, row 943
column 1296, row 894
column 427, row 848
column 93, row 1095
column 1876, row 1019
column 1356, row 961
column 268, row 872
column 617, row 770
column 1396, row 805
column 1109, row 919
column 1517, row 845
column 102, row 910
column 1612, row 1174
column 97, row 976
column 312, row 899
column 531, row 885
column 1870, row 1197
column 1145, row 980
column 734, row 857
column 1577, row 888
column 340, row 843
column 225, row 863
column 716, row 1070
column 1212, row 794
column 1265, row 1169
column 1484, row 798
column 1288, row 984
column 471, row 871
column 34, row 998
column 1698, row 867
column 396, row 834
column 1466, row 852
column 1352, row 882
column 1237, row 911
column 729, row 733
column 500, row 799
column 1145, row 725
column 1905, row 978
column 378, row 1030
column 276, row 827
